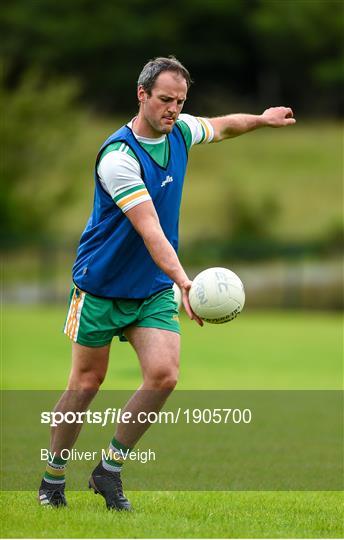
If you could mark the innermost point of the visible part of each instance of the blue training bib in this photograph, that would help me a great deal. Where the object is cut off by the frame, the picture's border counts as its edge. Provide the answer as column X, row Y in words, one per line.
column 112, row 260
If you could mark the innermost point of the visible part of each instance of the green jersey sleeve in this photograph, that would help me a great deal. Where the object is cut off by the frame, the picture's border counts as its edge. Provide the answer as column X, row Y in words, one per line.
column 195, row 130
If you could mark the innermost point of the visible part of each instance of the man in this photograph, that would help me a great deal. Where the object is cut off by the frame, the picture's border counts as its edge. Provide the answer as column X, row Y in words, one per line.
column 127, row 262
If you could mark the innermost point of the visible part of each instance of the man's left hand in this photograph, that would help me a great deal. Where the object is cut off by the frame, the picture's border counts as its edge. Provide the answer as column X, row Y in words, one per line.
column 185, row 289
column 278, row 117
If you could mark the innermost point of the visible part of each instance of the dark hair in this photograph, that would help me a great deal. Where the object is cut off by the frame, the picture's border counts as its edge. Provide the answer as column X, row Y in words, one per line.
column 154, row 67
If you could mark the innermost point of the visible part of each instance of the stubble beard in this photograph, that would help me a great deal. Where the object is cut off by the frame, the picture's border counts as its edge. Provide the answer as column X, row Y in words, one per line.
column 160, row 127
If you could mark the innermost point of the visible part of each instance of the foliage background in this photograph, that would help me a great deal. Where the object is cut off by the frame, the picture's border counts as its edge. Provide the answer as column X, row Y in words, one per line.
column 254, row 52
column 68, row 80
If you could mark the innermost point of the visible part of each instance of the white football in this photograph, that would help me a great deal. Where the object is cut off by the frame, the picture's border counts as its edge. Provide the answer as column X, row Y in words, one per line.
column 177, row 295
column 217, row 295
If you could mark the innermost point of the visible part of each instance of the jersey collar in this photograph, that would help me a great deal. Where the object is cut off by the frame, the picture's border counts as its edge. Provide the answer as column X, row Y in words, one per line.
column 145, row 140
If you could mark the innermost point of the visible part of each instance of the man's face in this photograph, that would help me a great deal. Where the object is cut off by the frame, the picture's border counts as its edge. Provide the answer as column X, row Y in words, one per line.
column 161, row 109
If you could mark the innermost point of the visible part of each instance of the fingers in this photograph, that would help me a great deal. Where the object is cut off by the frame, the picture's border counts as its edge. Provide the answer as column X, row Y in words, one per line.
column 197, row 319
column 288, row 116
column 284, row 117
column 277, row 117
column 188, row 309
column 190, row 313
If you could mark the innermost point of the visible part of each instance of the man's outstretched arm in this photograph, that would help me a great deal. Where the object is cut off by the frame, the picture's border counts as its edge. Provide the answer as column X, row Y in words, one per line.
column 232, row 125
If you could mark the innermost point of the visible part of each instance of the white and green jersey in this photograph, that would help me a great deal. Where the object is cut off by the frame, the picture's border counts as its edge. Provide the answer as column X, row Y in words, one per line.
column 119, row 170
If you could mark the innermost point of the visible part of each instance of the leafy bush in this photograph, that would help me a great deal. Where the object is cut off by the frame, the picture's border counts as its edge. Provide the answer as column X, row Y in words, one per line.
column 39, row 123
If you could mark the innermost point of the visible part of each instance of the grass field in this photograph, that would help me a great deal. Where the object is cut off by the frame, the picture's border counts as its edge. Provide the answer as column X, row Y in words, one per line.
column 261, row 350
column 179, row 515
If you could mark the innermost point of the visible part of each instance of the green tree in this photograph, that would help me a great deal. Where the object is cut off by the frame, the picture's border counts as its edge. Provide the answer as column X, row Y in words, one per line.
column 299, row 52
column 38, row 123
column 280, row 50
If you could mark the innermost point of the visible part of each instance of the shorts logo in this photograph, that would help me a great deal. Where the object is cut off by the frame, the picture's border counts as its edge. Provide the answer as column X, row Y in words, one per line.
column 175, row 318
column 167, row 180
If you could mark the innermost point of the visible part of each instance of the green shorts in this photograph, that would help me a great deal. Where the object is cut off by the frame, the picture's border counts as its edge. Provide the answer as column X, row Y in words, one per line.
column 94, row 321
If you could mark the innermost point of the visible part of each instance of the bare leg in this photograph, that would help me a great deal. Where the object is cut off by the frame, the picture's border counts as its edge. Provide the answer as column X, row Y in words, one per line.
column 89, row 366
column 158, row 353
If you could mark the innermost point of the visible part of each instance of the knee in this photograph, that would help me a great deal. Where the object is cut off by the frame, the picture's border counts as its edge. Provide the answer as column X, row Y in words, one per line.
column 163, row 379
column 87, row 381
